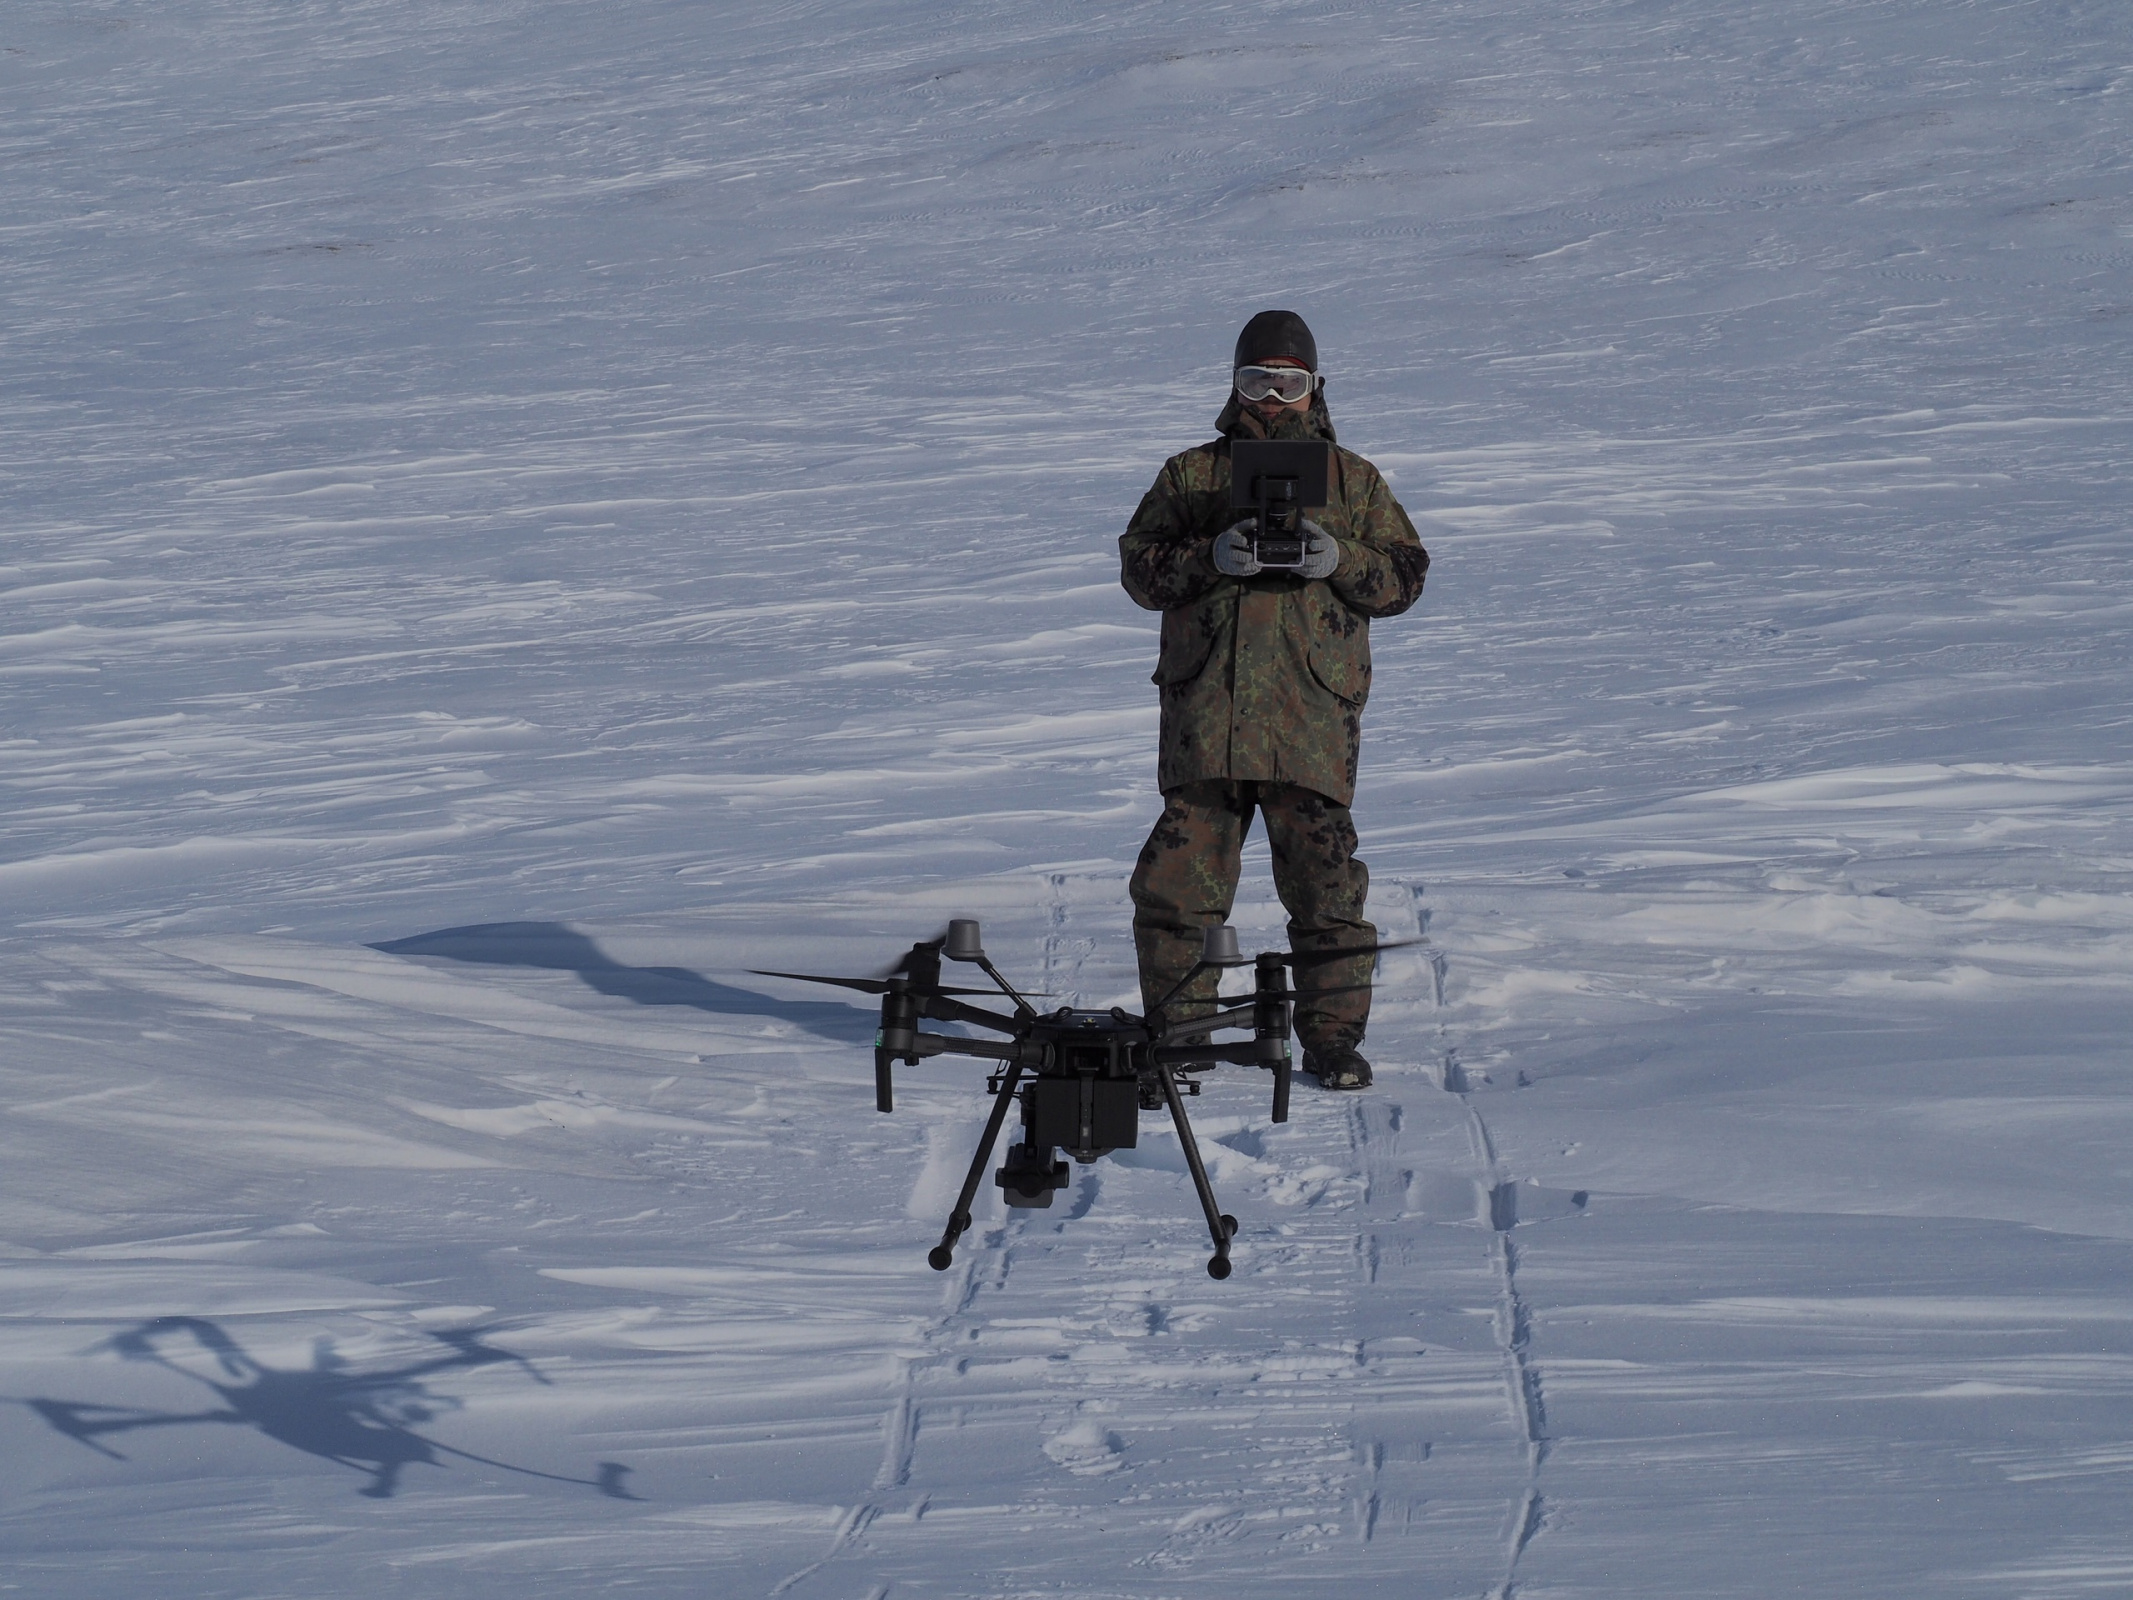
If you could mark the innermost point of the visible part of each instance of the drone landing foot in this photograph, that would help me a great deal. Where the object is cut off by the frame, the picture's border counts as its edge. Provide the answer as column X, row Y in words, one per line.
column 1221, row 1227
column 942, row 1256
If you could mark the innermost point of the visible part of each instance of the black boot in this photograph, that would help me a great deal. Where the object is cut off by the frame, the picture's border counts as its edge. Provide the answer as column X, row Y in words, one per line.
column 1338, row 1066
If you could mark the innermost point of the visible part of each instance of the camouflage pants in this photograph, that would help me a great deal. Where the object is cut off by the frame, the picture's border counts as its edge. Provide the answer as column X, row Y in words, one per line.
column 1186, row 880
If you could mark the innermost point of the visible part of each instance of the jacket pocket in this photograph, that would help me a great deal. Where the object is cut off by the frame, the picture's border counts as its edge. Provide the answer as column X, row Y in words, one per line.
column 1186, row 647
column 1342, row 666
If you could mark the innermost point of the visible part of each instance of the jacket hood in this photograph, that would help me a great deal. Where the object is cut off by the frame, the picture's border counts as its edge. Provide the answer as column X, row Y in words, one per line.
column 1240, row 422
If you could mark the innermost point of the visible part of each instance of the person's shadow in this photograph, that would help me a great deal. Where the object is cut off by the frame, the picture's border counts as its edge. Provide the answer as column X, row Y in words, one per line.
column 355, row 1419
column 550, row 946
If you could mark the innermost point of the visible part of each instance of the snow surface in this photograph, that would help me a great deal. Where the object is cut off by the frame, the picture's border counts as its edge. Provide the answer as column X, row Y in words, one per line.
column 520, row 512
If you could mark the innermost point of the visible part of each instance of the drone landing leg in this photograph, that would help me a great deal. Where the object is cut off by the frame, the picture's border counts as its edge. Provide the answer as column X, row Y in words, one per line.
column 942, row 1256
column 1219, row 1226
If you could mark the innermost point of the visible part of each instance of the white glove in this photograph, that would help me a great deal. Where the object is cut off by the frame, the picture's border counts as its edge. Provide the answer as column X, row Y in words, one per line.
column 1322, row 552
column 1233, row 552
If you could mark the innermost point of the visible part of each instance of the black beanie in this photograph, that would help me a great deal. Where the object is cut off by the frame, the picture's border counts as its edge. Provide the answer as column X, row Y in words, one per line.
column 1276, row 333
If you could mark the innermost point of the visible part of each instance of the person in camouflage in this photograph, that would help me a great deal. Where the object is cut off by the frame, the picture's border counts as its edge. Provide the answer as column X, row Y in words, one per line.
column 1263, row 675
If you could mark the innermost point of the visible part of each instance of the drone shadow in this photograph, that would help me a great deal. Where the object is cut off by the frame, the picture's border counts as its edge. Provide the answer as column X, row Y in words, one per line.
column 354, row 1419
column 550, row 946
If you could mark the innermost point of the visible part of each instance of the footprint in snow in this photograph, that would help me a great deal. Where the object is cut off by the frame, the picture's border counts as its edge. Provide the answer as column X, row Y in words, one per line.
column 1086, row 1449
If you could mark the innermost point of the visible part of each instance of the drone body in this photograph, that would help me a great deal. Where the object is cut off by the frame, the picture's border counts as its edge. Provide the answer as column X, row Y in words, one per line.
column 1081, row 1078
column 1084, row 1097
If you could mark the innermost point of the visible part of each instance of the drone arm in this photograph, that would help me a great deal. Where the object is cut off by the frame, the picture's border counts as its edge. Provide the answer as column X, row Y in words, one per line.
column 1008, row 1050
column 1178, row 988
column 1243, row 1053
column 1238, row 1015
column 1265, row 1011
column 942, row 1009
column 914, row 1047
column 899, row 1039
column 1022, row 1007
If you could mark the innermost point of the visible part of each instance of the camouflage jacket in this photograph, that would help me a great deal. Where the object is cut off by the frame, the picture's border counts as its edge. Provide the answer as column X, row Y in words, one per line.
column 1264, row 678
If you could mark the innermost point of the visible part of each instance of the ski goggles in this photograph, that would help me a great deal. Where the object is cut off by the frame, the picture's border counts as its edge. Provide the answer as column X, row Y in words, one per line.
column 1286, row 384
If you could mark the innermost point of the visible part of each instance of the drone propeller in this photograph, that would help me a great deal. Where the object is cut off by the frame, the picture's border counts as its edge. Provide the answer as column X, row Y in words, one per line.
column 1319, row 994
column 1247, row 996
column 921, row 963
column 863, row 985
column 959, row 941
column 1313, row 958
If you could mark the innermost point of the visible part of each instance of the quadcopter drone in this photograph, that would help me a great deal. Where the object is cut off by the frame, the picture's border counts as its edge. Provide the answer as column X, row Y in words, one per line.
column 1083, row 1078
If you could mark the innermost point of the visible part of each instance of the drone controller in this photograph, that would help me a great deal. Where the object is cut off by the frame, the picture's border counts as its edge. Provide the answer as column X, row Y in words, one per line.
column 1278, row 480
